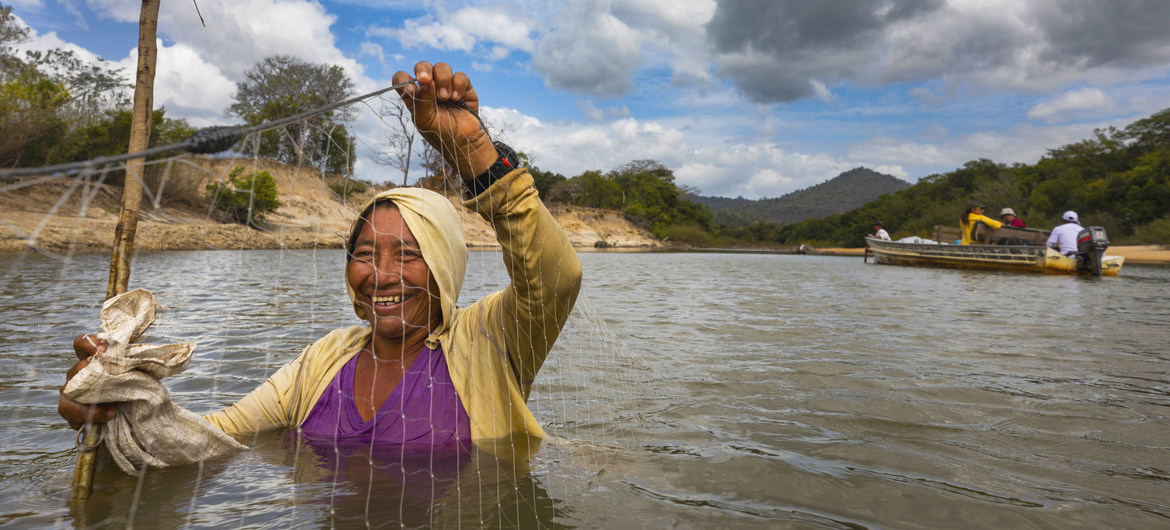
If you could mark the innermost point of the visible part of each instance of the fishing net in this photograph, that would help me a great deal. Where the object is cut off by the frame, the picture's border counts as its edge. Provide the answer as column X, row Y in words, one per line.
column 251, row 287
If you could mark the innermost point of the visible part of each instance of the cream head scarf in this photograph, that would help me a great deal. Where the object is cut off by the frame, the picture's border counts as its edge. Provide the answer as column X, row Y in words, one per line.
column 435, row 224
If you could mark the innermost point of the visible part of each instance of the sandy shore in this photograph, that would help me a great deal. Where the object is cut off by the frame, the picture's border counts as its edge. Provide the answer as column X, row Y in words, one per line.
column 53, row 217
column 1148, row 254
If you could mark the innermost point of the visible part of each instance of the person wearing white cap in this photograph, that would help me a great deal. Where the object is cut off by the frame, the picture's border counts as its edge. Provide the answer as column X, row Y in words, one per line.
column 1009, row 218
column 1064, row 237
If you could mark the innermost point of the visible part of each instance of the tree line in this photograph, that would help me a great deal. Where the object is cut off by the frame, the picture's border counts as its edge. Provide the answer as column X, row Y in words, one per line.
column 1118, row 179
column 56, row 108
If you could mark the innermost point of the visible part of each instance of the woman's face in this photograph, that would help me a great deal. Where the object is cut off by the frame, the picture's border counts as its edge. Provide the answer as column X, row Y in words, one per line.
column 391, row 280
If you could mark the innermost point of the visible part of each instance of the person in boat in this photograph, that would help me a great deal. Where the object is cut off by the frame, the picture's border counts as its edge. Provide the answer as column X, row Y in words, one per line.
column 1009, row 218
column 973, row 213
column 879, row 231
column 423, row 370
column 1064, row 237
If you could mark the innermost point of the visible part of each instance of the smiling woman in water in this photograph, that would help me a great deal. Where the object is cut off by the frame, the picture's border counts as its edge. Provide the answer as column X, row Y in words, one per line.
column 423, row 371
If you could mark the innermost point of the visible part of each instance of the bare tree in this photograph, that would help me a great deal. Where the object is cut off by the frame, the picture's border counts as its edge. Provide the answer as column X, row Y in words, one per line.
column 399, row 139
column 440, row 175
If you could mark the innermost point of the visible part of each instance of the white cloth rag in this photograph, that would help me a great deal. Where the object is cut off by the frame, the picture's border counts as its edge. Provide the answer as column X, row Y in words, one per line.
column 148, row 430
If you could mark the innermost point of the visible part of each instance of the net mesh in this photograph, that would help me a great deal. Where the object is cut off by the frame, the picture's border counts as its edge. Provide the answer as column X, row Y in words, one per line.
column 251, row 311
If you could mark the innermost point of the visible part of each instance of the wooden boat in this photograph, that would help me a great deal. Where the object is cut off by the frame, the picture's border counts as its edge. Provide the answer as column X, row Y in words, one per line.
column 1020, row 253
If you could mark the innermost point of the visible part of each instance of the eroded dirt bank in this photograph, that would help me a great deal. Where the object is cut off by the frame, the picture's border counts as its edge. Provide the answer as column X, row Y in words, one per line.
column 64, row 215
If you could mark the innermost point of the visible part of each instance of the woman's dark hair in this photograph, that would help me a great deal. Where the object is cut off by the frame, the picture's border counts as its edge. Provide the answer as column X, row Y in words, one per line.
column 364, row 218
column 970, row 206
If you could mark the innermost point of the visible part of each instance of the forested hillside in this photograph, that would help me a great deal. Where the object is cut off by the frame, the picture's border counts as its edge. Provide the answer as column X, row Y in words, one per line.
column 1118, row 179
column 842, row 193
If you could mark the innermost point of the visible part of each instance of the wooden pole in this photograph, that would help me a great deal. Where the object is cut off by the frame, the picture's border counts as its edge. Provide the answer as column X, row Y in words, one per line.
column 128, row 218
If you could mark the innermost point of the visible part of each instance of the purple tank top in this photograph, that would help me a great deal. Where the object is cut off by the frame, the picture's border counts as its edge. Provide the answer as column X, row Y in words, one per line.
column 423, row 410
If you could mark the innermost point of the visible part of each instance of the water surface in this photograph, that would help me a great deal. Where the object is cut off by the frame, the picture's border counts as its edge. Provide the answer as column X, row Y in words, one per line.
column 688, row 391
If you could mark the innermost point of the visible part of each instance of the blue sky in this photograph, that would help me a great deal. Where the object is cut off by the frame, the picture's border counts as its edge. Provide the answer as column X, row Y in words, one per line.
column 752, row 98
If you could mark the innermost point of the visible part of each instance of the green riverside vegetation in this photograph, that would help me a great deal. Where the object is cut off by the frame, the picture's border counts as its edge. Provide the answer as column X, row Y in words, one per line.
column 245, row 199
column 1119, row 179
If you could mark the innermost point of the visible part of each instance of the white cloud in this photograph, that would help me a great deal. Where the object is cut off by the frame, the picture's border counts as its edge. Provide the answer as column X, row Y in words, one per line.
column 752, row 168
column 1086, row 102
column 369, row 49
column 1022, row 143
column 495, row 25
column 239, row 34
column 462, row 30
column 187, row 85
column 21, row 5
column 50, row 41
column 597, row 54
column 118, row 10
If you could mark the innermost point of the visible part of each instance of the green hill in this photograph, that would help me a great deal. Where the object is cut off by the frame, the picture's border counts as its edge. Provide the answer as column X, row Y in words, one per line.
column 842, row 193
column 1118, row 179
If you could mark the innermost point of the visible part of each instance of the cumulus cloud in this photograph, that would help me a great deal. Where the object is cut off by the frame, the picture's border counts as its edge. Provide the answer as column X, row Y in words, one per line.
column 195, row 79
column 776, row 51
column 1023, row 144
column 373, row 50
column 50, row 41
column 751, row 167
column 1087, row 102
column 187, row 85
column 462, row 30
column 595, row 47
column 596, row 56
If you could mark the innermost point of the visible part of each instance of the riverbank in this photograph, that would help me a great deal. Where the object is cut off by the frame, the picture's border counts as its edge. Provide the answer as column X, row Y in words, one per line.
column 61, row 217
column 1143, row 254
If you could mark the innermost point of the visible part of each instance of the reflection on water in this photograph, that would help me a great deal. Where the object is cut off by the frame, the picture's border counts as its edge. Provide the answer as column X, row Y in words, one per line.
column 689, row 390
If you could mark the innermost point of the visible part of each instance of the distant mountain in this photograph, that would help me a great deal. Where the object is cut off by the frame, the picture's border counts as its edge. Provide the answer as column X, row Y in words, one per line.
column 844, row 192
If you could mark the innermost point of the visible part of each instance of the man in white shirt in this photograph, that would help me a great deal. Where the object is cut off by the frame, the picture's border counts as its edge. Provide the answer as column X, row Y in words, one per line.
column 879, row 231
column 1064, row 237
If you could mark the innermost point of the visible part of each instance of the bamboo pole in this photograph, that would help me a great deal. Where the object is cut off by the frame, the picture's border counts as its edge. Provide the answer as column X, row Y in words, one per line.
column 127, row 226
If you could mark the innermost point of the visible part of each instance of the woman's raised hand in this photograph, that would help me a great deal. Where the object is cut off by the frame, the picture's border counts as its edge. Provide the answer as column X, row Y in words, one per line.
column 445, row 109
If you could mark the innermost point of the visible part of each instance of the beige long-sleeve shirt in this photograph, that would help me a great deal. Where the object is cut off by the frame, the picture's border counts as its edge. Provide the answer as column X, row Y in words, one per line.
column 493, row 348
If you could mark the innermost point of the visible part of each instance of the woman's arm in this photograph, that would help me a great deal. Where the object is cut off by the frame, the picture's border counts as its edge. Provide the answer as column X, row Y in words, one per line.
column 544, row 269
column 987, row 221
column 265, row 408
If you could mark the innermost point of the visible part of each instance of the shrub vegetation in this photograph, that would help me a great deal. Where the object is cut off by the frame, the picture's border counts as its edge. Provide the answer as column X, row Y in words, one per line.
column 245, row 199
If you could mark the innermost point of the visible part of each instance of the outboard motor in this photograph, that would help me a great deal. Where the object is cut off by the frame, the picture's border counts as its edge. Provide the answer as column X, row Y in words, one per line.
column 1091, row 245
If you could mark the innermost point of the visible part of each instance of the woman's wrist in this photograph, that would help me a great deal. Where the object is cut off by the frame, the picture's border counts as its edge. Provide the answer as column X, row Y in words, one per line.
column 481, row 154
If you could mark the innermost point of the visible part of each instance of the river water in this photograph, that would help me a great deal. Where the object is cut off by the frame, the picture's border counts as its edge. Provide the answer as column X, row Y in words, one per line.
column 689, row 390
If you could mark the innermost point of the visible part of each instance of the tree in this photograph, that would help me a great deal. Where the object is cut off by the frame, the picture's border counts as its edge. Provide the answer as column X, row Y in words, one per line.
column 1149, row 133
column 400, row 135
column 545, row 181
column 93, row 88
column 281, row 86
column 440, row 175
column 46, row 98
column 648, row 166
column 11, row 34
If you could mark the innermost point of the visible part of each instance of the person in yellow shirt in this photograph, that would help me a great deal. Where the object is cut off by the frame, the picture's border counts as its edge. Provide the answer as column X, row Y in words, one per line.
column 973, row 213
